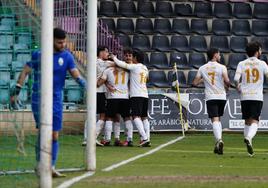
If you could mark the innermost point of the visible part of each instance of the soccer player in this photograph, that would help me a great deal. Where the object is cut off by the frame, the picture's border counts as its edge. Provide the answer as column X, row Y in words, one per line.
column 215, row 78
column 117, row 101
column 102, row 65
column 251, row 71
column 63, row 61
column 138, row 94
column 128, row 57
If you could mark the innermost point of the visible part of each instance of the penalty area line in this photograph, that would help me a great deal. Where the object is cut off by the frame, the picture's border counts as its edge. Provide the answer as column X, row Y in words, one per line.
column 70, row 182
column 114, row 166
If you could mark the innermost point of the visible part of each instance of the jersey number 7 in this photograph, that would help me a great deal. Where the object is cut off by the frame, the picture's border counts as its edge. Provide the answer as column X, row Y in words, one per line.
column 212, row 74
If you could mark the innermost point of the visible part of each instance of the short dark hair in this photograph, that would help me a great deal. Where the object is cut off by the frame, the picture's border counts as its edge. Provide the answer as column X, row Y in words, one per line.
column 128, row 51
column 211, row 52
column 252, row 48
column 139, row 55
column 100, row 49
column 59, row 33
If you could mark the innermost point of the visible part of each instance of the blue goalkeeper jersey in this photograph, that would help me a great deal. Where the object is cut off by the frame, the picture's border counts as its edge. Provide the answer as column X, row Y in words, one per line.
column 62, row 62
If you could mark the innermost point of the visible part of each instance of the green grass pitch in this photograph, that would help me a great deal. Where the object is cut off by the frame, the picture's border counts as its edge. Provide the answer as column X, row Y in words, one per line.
column 187, row 163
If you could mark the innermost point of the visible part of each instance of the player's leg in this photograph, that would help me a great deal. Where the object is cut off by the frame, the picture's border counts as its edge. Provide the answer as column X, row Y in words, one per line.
column 101, row 110
column 144, row 118
column 36, row 113
column 136, row 107
column 57, row 126
column 253, row 111
column 129, row 128
column 110, row 115
column 246, row 108
column 213, row 113
column 117, row 131
column 221, row 107
column 125, row 113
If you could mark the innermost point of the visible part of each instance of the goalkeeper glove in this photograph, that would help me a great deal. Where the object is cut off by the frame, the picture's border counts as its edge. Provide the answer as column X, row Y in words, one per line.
column 81, row 81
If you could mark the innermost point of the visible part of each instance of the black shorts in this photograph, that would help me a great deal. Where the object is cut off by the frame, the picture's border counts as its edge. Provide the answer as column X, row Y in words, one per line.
column 101, row 103
column 118, row 106
column 215, row 108
column 251, row 109
column 139, row 106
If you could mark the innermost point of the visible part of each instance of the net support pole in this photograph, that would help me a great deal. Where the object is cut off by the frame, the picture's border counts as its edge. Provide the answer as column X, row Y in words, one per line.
column 91, row 84
column 46, row 93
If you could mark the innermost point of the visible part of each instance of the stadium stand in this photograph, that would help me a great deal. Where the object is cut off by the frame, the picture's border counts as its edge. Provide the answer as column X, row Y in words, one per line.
column 144, row 26
column 180, row 26
column 179, row 43
column 162, row 26
column 180, row 59
column 175, row 31
column 198, row 43
column 241, row 27
column 125, row 26
column 145, row 8
column 159, row 60
column 222, row 10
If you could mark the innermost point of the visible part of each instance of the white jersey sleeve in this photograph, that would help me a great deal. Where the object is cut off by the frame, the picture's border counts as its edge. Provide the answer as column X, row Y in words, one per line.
column 124, row 65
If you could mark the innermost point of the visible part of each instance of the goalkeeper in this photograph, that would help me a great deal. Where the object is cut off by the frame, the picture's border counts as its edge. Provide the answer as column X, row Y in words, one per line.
column 63, row 61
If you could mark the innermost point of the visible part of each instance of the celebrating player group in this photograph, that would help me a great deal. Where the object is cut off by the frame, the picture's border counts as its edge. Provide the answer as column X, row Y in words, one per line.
column 121, row 92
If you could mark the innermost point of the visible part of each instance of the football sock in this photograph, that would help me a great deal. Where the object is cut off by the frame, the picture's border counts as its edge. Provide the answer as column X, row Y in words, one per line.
column 146, row 126
column 252, row 130
column 129, row 127
column 217, row 130
column 116, row 130
column 108, row 130
column 55, row 149
column 140, row 128
column 246, row 130
column 99, row 126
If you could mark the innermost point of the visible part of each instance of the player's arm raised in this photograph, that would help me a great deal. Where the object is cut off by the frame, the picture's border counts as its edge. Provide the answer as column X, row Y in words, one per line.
column 123, row 64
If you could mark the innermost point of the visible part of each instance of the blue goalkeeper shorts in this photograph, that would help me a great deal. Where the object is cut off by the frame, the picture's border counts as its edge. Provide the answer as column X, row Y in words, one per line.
column 57, row 112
